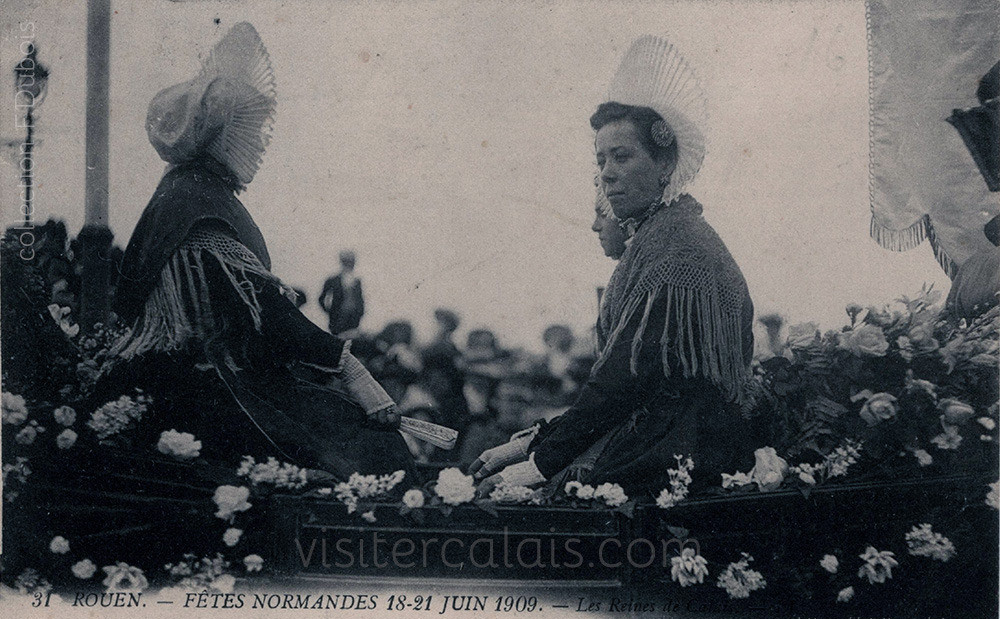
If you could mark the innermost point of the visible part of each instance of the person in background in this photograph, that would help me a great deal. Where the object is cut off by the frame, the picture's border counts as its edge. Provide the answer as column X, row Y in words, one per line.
column 558, row 340
column 610, row 233
column 342, row 298
column 447, row 323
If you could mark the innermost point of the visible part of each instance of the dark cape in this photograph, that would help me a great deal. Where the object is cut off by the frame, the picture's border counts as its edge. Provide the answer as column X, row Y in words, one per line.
column 224, row 353
column 675, row 339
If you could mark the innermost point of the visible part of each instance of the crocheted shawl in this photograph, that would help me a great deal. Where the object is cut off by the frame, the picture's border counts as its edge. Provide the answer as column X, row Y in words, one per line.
column 677, row 261
column 163, row 293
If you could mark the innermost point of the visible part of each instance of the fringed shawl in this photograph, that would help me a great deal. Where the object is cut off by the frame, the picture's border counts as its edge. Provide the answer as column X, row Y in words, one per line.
column 677, row 261
column 189, row 194
column 193, row 224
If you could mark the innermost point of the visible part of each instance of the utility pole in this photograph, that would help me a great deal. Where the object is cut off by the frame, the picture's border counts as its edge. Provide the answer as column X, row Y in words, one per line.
column 95, row 237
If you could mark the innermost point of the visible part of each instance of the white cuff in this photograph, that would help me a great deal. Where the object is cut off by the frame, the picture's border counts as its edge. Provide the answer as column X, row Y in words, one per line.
column 363, row 388
column 523, row 473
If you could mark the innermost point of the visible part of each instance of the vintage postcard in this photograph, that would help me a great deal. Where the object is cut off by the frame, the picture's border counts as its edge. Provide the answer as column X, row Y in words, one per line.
column 473, row 309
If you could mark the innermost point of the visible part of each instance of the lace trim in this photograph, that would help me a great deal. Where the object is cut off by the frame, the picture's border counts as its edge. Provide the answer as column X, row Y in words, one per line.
column 179, row 308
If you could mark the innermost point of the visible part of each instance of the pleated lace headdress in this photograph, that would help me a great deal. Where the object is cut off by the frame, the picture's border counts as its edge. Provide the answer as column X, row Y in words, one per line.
column 227, row 111
column 653, row 74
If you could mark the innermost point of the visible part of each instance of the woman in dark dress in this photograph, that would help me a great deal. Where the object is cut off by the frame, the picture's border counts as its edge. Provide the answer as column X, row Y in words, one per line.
column 675, row 325
column 215, row 339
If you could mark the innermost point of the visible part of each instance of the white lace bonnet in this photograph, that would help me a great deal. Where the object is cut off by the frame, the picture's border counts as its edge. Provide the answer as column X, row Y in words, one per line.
column 653, row 74
column 227, row 111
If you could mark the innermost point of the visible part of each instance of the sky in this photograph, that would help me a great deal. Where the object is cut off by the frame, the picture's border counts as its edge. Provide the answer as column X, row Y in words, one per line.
column 448, row 144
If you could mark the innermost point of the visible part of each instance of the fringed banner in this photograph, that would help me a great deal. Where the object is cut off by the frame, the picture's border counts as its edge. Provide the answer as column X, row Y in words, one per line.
column 926, row 58
column 910, row 237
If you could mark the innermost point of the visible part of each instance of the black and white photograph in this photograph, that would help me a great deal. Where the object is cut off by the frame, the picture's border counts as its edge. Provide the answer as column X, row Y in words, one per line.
column 665, row 308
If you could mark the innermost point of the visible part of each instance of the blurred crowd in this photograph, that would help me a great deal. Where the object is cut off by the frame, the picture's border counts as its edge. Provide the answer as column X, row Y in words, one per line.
column 483, row 390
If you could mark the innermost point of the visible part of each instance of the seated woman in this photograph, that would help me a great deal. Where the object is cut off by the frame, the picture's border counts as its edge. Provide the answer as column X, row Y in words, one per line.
column 214, row 339
column 675, row 325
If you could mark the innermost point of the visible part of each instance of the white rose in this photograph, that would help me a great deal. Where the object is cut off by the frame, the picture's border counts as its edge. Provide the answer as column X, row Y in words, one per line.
column 413, row 498
column 253, row 563
column 180, row 445
column 15, row 409
column 923, row 458
column 59, row 545
column 769, row 469
column 27, row 435
column 231, row 499
column 865, row 340
column 64, row 415
column 66, row 439
column 955, row 412
column 232, row 536
column 454, row 487
column 84, row 569
column 586, row 492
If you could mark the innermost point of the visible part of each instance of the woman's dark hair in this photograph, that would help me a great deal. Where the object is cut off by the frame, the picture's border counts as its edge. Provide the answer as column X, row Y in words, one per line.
column 642, row 118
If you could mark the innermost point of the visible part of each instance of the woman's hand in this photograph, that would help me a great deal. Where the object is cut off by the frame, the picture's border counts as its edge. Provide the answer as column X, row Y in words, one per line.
column 520, row 474
column 388, row 416
column 496, row 458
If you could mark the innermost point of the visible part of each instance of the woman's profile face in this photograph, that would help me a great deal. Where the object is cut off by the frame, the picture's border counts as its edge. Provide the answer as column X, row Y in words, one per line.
column 629, row 175
column 610, row 234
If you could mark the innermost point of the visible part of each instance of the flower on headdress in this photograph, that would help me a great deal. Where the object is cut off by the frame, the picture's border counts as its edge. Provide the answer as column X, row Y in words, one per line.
column 66, row 439
column 28, row 433
column 923, row 458
column 993, row 496
column 612, row 494
column 739, row 580
column 846, row 594
column 736, row 480
column 829, row 563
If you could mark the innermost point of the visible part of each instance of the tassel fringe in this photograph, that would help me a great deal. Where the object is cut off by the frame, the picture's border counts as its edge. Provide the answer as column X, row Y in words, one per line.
column 180, row 308
column 700, row 338
column 910, row 237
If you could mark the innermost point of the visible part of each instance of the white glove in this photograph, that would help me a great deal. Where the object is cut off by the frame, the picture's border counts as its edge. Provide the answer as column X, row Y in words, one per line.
column 520, row 474
column 367, row 392
column 496, row 458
